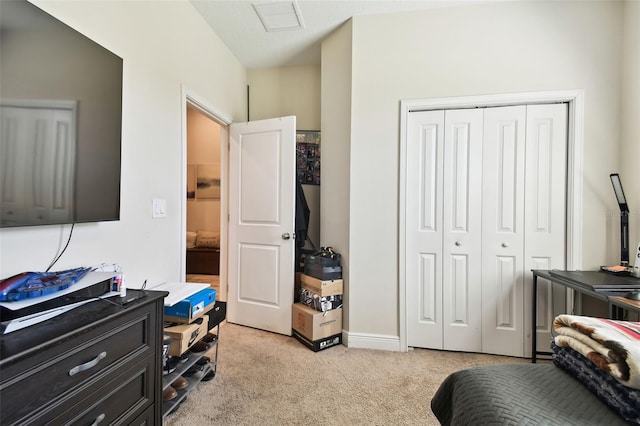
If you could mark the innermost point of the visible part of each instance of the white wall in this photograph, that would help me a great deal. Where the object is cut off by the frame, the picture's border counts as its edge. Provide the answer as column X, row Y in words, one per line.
column 283, row 91
column 480, row 49
column 165, row 46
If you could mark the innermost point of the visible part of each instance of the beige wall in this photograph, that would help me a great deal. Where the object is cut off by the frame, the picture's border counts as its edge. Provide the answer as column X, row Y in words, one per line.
column 336, row 133
column 630, row 151
column 203, row 148
column 159, row 62
column 284, row 91
column 504, row 47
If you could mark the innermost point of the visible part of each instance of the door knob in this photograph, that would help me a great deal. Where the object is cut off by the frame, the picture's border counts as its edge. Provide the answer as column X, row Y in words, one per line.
column 458, row 243
column 286, row 236
column 505, row 245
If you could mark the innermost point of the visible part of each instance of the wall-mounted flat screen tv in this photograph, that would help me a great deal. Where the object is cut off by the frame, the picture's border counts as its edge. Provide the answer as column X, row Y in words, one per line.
column 61, row 122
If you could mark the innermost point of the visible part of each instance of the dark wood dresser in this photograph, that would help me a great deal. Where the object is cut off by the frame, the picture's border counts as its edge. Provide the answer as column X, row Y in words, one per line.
column 97, row 364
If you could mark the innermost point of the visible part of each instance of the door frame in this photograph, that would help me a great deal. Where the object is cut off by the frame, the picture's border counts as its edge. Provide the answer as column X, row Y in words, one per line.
column 575, row 149
column 189, row 97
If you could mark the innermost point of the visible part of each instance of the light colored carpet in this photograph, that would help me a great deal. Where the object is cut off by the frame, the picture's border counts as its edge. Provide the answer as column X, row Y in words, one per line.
column 270, row 379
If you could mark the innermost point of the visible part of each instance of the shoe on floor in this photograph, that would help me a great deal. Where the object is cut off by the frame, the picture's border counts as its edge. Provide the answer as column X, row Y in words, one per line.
column 180, row 383
column 169, row 393
column 210, row 375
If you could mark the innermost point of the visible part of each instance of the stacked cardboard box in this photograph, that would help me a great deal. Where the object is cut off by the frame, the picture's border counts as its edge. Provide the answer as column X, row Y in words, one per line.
column 186, row 322
column 324, row 264
column 317, row 319
column 191, row 308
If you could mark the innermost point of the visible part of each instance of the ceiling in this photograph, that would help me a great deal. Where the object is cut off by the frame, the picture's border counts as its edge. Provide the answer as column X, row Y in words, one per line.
column 238, row 25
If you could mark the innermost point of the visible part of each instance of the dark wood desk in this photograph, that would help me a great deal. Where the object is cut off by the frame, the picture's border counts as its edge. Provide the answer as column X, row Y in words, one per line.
column 600, row 285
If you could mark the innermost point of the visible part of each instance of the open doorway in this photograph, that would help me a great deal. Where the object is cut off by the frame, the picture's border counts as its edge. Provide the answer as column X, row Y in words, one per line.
column 205, row 138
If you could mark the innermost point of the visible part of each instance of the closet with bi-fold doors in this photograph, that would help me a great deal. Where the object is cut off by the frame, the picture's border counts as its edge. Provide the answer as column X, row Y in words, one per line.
column 486, row 191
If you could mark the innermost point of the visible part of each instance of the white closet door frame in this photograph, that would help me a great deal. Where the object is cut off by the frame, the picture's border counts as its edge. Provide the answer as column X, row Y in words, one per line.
column 575, row 144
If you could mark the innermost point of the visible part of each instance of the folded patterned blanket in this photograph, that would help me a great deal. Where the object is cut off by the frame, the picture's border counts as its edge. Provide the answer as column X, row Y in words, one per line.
column 613, row 346
column 620, row 398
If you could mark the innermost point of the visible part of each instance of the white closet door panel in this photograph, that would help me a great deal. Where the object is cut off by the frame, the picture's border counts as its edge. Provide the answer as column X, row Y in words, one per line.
column 503, row 230
column 546, row 306
column 424, row 229
column 462, row 200
column 545, row 209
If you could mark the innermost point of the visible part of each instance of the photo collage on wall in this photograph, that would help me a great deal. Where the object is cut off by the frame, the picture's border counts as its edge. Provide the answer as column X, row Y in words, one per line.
column 308, row 156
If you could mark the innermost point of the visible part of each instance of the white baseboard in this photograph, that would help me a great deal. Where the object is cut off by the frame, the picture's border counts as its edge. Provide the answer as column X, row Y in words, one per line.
column 371, row 341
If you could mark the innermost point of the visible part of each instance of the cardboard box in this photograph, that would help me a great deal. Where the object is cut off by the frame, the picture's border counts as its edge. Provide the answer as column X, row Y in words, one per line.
column 323, row 272
column 191, row 308
column 185, row 335
column 320, row 303
column 321, row 344
column 315, row 325
column 321, row 287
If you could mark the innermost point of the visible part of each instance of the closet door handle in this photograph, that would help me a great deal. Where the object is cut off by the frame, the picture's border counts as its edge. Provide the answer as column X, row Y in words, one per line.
column 87, row 365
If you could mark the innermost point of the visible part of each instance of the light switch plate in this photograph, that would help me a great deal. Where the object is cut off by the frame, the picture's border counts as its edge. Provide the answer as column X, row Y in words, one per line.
column 159, row 208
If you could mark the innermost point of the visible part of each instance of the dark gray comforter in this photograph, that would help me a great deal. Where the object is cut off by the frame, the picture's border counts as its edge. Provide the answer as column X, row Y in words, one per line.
column 518, row 394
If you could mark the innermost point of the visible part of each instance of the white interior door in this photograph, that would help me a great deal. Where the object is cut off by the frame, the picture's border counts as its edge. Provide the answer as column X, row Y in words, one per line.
column 425, row 154
column 545, row 213
column 486, row 191
column 443, row 229
column 503, row 234
column 261, row 224
column 524, row 193
column 462, row 225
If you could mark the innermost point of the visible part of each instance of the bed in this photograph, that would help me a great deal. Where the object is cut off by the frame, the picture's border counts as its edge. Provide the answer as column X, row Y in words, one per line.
column 587, row 384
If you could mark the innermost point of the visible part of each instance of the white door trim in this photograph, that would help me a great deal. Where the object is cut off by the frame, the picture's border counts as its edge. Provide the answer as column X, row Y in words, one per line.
column 188, row 97
column 575, row 99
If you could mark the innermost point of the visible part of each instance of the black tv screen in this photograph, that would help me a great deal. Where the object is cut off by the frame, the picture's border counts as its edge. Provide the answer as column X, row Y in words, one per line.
column 61, row 122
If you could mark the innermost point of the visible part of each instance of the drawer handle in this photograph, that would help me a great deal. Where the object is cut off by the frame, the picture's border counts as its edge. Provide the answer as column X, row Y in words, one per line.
column 87, row 365
column 98, row 419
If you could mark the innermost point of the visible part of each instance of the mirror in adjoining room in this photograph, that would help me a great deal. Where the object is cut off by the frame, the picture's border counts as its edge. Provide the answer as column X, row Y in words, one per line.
column 203, row 201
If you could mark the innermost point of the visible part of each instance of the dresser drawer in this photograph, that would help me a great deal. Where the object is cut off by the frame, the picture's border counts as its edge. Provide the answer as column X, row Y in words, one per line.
column 86, row 358
column 129, row 395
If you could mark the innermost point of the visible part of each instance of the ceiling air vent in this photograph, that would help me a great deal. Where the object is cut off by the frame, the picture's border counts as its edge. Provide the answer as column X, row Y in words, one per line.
column 278, row 16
